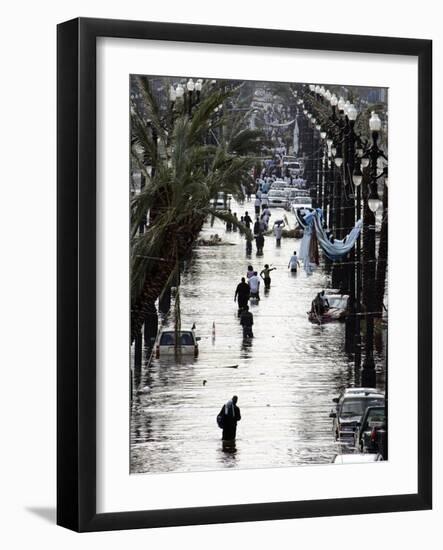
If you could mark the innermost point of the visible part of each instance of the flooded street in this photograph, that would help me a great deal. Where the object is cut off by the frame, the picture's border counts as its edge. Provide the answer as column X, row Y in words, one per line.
column 285, row 377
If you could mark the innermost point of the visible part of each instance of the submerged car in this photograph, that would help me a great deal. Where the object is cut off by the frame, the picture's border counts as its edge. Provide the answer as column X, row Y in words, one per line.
column 356, row 458
column 292, row 193
column 277, row 198
column 293, row 167
column 221, row 202
column 186, row 343
column 301, row 202
column 371, row 434
column 350, row 410
column 279, row 184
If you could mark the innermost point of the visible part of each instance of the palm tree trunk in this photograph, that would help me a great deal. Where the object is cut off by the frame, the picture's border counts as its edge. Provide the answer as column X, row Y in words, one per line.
column 184, row 237
column 150, row 325
column 152, row 289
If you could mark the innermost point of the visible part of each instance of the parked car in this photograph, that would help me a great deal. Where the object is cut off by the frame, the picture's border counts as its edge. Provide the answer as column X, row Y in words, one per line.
column 292, row 193
column 221, row 202
column 301, row 202
column 303, row 193
column 290, row 158
column 277, row 197
column 356, row 458
column 166, row 343
column 371, row 434
column 294, row 168
column 279, row 184
column 354, row 391
column 350, row 409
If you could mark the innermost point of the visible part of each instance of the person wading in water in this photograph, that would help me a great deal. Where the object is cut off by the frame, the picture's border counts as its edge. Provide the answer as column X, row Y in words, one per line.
column 246, row 321
column 278, row 230
column 247, row 220
column 267, row 278
column 259, row 243
column 293, row 263
column 254, row 286
column 242, row 294
column 227, row 419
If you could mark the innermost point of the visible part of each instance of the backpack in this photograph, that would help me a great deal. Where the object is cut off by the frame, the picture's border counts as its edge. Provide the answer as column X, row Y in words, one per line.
column 220, row 420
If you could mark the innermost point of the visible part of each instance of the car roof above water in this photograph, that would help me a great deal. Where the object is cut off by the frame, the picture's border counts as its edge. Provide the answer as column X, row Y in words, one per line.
column 178, row 332
column 357, row 458
column 362, row 391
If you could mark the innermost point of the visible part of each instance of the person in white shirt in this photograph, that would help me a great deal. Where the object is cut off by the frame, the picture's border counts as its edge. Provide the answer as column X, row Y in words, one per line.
column 265, row 215
column 278, row 230
column 266, row 211
column 254, row 286
column 293, row 263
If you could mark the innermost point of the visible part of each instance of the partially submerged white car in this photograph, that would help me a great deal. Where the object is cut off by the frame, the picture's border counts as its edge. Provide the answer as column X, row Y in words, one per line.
column 277, row 198
column 301, row 202
column 221, row 202
column 187, row 343
column 357, row 458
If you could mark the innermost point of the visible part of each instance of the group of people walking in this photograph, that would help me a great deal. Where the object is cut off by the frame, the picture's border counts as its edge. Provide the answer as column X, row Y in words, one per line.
column 249, row 289
column 243, row 293
column 262, row 219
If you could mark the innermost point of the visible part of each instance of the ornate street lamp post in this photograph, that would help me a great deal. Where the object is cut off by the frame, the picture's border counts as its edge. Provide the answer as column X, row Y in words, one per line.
column 190, row 87
column 349, row 221
column 372, row 203
column 357, row 178
column 172, row 96
column 198, row 89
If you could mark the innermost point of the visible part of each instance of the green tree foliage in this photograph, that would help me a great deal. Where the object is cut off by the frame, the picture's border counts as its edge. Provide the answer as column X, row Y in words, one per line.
column 192, row 155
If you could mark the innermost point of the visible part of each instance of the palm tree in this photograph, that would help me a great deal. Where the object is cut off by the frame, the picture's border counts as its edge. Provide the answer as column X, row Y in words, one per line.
column 186, row 174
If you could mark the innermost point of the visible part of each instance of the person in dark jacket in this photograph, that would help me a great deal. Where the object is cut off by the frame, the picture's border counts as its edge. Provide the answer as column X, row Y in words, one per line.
column 229, row 223
column 248, row 245
column 259, row 243
column 258, row 226
column 242, row 294
column 247, row 220
column 234, row 227
column 230, row 415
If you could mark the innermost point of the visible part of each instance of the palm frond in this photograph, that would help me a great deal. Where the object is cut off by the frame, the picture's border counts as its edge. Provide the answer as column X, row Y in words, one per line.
column 151, row 106
column 246, row 141
column 143, row 137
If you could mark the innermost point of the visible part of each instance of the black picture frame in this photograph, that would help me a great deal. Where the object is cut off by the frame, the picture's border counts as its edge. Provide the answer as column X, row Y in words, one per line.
column 76, row 264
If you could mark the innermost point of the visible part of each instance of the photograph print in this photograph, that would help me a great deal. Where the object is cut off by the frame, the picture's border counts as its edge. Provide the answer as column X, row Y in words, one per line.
column 259, row 264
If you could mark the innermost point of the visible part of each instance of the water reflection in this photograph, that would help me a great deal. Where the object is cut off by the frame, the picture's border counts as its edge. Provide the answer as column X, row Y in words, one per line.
column 285, row 377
